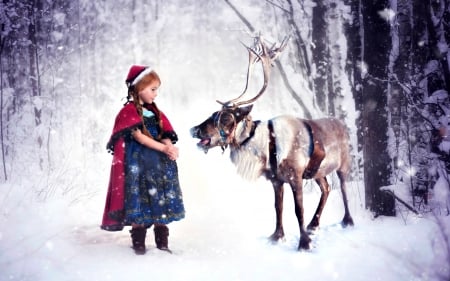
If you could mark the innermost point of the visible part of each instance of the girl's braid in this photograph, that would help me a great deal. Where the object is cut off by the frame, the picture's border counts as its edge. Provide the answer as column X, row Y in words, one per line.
column 140, row 112
column 158, row 117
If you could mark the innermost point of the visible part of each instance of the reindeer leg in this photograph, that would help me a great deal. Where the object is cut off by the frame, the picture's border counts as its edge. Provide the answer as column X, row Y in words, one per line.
column 279, row 191
column 347, row 220
column 298, row 198
column 325, row 189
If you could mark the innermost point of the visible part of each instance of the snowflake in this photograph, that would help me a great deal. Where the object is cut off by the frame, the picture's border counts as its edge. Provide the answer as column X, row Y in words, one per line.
column 152, row 191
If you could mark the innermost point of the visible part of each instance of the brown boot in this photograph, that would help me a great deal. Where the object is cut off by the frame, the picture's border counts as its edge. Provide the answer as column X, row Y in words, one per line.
column 162, row 237
column 138, row 239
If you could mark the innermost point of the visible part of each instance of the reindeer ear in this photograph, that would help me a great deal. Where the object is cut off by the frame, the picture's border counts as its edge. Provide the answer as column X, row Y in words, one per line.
column 244, row 111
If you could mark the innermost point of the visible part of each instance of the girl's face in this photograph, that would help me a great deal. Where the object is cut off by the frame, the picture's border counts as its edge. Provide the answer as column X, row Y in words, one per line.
column 149, row 93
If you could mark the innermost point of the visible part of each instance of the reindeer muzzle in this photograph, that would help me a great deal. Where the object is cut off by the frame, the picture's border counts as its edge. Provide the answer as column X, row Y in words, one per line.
column 204, row 143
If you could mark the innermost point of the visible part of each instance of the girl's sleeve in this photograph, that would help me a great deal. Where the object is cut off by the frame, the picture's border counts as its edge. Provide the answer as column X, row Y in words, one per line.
column 167, row 130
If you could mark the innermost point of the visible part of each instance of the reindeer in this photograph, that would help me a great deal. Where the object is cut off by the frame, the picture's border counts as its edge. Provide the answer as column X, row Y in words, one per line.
column 284, row 149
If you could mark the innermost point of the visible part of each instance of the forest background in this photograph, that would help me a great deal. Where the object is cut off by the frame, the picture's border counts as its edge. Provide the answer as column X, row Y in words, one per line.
column 381, row 66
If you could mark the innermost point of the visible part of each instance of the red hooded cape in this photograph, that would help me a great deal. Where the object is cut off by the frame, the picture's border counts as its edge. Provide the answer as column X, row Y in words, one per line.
column 126, row 120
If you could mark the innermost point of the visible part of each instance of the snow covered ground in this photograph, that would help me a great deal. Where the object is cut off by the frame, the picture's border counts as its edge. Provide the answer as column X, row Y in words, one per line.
column 224, row 236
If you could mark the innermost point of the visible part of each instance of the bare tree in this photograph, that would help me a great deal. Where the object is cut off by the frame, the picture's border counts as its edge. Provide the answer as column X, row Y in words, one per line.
column 2, row 123
column 377, row 168
column 320, row 54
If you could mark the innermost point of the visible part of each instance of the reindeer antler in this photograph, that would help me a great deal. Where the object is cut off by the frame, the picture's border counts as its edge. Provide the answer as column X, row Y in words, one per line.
column 259, row 52
column 253, row 57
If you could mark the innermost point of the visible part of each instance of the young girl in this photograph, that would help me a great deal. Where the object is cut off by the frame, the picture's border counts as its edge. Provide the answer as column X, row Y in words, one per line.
column 143, row 188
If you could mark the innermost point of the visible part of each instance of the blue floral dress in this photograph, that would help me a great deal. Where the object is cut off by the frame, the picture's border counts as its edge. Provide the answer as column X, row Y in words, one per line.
column 152, row 190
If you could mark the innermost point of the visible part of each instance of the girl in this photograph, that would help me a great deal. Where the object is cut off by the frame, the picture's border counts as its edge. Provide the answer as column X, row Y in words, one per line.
column 143, row 189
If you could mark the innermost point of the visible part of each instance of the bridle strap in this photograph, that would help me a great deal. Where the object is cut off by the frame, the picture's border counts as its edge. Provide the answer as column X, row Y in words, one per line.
column 252, row 132
column 272, row 149
column 316, row 152
column 224, row 138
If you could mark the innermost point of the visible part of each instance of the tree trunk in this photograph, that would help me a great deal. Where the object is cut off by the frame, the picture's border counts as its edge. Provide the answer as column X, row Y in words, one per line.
column 377, row 162
column 320, row 54
column 33, row 30
column 435, row 16
column 2, row 136
column 353, row 66
column 400, row 65
column 33, row 61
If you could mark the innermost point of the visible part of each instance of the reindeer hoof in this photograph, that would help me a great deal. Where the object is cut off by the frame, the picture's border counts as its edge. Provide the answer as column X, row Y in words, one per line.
column 312, row 228
column 276, row 236
column 304, row 243
column 347, row 221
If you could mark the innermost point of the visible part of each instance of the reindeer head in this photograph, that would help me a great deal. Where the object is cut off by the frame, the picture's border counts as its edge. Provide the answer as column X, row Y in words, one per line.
column 219, row 128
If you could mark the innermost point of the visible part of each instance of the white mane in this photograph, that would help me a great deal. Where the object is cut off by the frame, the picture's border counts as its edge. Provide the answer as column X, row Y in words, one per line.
column 251, row 159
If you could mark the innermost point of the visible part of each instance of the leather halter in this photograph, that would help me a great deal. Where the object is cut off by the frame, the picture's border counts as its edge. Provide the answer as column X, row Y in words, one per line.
column 223, row 136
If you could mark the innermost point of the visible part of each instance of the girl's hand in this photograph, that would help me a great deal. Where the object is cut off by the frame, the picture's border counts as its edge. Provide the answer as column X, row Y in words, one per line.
column 165, row 146
column 171, row 151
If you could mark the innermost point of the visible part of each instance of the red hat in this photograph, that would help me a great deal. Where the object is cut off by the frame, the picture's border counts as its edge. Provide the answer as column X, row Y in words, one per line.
column 136, row 73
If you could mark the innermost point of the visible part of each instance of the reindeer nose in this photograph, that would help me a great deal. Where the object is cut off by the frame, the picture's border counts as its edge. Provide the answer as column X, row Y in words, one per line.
column 194, row 132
